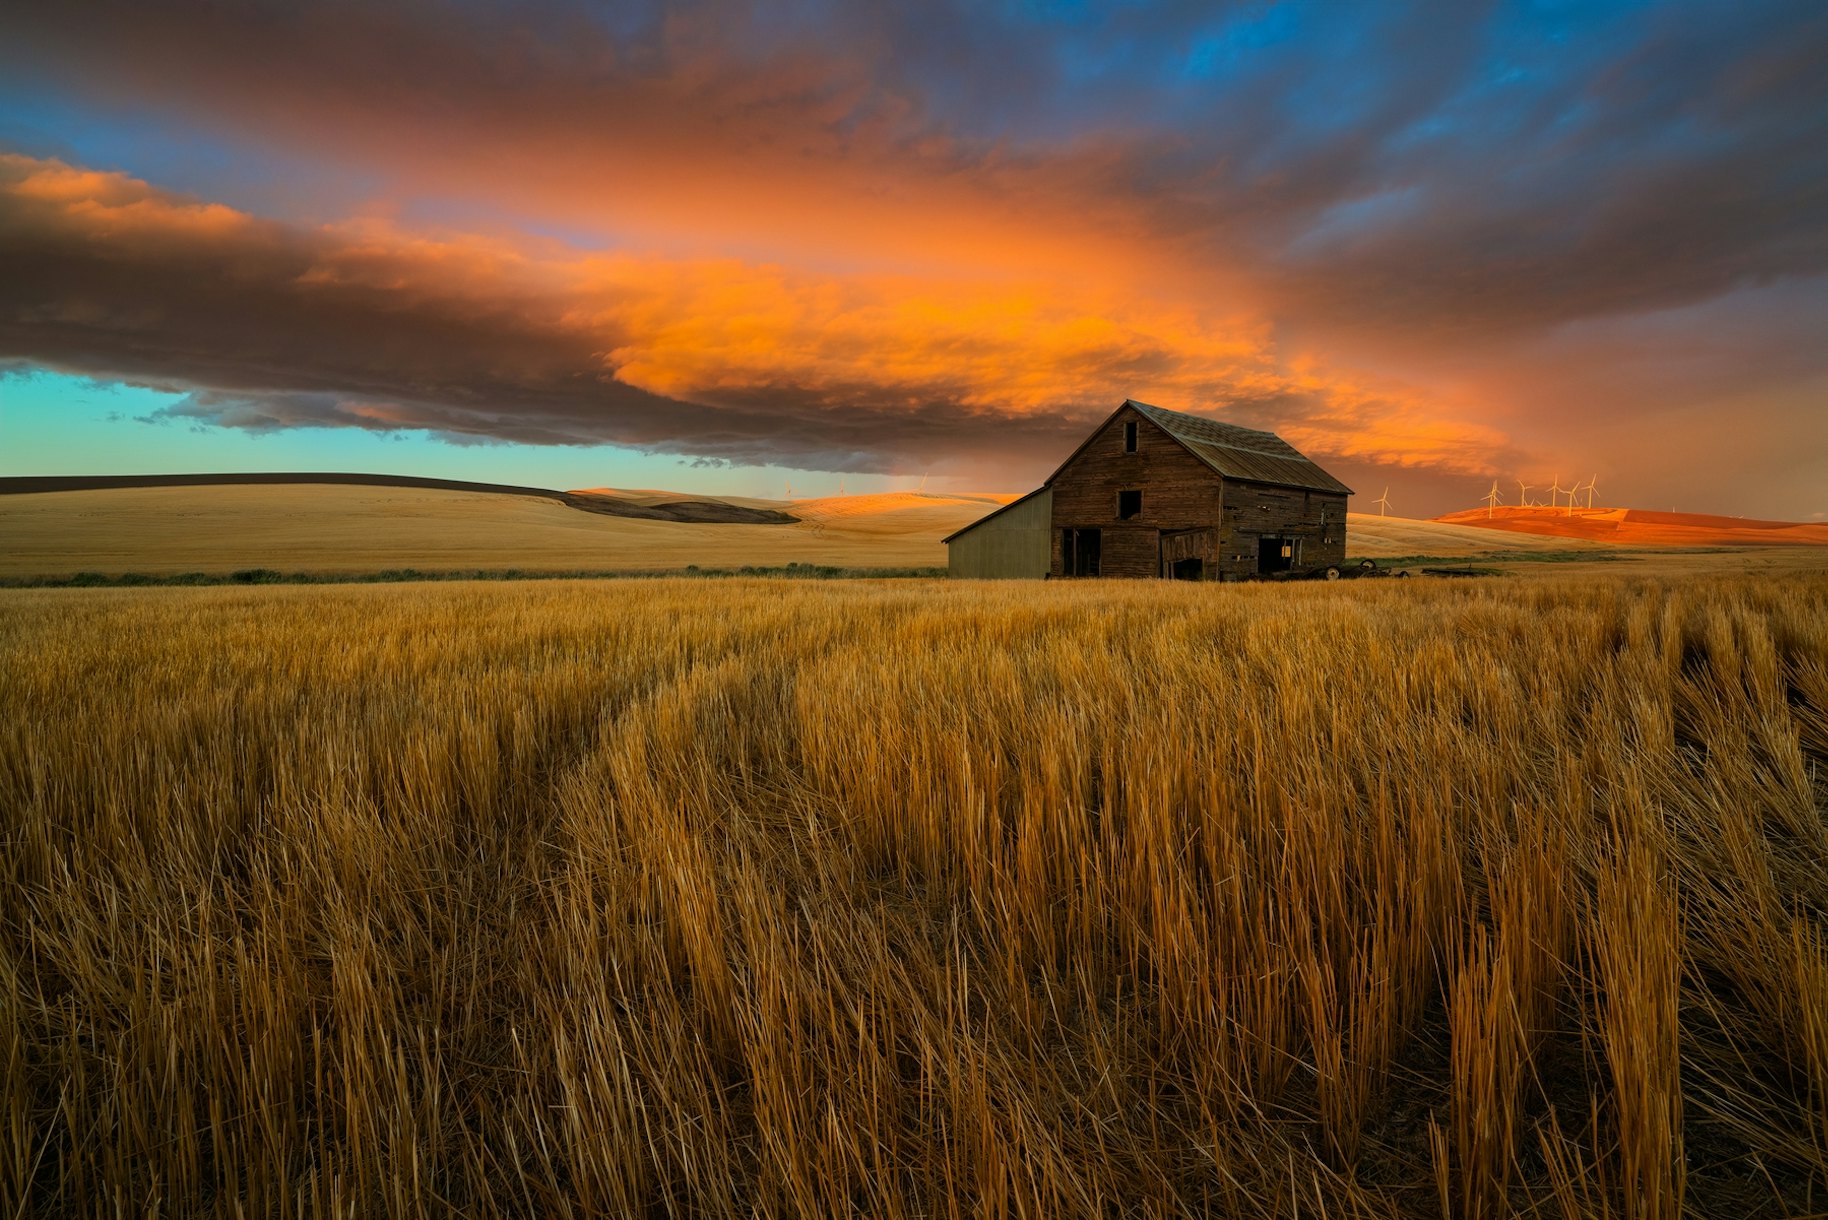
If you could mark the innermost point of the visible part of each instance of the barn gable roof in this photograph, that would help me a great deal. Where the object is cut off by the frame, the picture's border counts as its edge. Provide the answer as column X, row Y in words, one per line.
column 1243, row 454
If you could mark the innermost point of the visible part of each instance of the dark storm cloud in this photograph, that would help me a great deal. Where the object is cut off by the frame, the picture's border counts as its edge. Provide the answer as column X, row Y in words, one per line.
column 290, row 328
column 1682, row 166
column 1407, row 180
column 1472, row 168
column 105, row 275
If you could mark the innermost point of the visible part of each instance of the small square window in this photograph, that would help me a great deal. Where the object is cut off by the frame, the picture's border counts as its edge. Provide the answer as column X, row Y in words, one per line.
column 1129, row 504
column 1129, row 437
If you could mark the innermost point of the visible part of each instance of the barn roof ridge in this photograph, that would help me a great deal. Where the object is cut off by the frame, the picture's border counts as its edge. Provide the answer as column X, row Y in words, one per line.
column 1187, row 426
column 1233, row 451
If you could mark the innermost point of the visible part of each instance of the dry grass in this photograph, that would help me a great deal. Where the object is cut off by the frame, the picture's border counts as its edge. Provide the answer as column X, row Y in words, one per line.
column 1384, row 898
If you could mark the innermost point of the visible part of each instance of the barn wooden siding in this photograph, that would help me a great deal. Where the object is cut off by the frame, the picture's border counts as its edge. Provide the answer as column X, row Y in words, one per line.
column 1215, row 500
column 1180, row 492
column 1009, row 544
column 1315, row 521
column 1188, row 510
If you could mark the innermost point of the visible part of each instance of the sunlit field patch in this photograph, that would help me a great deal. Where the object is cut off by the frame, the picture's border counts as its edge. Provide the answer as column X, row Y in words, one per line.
column 908, row 898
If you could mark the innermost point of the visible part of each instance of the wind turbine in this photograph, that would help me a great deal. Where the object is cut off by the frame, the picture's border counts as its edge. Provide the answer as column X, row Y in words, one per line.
column 1382, row 502
column 840, row 484
column 1592, row 482
column 1556, row 490
column 1492, row 500
column 1523, row 493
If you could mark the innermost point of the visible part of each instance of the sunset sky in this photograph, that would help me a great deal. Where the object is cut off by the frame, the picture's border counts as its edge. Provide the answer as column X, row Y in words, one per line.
column 726, row 247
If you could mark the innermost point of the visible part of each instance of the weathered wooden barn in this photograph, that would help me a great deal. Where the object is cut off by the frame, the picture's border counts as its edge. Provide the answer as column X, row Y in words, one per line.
column 1159, row 493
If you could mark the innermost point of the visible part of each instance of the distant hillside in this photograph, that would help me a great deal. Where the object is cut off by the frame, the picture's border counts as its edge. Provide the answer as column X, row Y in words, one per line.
column 1369, row 536
column 1640, row 527
column 34, row 484
column 898, row 513
column 301, row 523
column 345, row 524
column 710, row 511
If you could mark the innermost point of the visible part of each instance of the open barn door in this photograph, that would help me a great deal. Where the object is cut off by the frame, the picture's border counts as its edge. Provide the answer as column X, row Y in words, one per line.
column 1275, row 554
column 1184, row 552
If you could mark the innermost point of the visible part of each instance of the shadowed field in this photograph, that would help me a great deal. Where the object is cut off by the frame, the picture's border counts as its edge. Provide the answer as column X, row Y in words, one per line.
column 919, row 898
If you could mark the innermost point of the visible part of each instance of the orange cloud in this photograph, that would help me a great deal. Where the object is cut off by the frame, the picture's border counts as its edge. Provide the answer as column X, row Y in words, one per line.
column 110, row 203
column 694, row 328
column 870, row 235
column 475, row 335
column 699, row 330
column 1386, row 425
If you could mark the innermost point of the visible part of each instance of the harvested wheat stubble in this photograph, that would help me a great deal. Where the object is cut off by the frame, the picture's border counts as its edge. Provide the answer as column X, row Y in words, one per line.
column 911, row 899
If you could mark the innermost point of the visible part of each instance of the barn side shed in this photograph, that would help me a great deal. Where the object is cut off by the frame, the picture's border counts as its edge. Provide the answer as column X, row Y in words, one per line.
column 1012, row 543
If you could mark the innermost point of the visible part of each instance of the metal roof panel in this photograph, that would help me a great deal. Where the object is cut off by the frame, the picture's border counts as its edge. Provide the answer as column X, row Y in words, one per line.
column 1243, row 454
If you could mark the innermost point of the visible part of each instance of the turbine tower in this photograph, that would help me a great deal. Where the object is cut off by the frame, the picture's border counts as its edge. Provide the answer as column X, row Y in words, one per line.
column 1523, row 493
column 1492, row 500
column 1382, row 502
column 1556, row 491
column 1592, row 482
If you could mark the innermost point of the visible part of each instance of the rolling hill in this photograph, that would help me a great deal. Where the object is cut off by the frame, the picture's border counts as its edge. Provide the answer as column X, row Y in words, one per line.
column 169, row 527
column 325, row 524
column 1640, row 527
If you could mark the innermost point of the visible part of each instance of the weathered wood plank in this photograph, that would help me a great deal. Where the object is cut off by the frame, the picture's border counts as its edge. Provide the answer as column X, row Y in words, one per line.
column 1179, row 492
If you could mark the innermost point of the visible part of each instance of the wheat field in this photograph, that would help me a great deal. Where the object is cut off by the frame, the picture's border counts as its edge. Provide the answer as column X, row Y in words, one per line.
column 751, row 898
column 324, row 528
column 337, row 528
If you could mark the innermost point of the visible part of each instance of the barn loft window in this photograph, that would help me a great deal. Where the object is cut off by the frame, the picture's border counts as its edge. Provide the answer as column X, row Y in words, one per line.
column 1079, row 552
column 1129, row 437
column 1129, row 504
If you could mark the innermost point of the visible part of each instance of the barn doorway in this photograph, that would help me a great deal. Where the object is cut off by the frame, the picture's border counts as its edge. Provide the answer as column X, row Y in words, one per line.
column 1275, row 555
column 1184, row 553
column 1079, row 552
